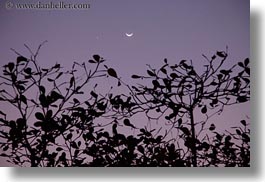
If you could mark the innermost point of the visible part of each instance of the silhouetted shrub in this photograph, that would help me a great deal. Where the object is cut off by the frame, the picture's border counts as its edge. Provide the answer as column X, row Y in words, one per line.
column 55, row 114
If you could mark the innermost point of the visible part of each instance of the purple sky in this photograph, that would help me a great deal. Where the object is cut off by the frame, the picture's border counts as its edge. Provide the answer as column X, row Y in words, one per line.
column 162, row 28
column 173, row 29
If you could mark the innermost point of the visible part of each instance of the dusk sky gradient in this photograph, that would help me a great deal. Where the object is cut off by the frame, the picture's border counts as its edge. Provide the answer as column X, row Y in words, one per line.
column 172, row 29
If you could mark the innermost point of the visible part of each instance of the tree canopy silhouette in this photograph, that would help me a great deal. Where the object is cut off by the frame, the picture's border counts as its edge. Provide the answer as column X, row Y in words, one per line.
column 56, row 114
column 179, row 91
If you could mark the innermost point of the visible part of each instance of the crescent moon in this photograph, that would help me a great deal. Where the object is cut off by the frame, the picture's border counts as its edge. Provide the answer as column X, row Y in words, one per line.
column 129, row 34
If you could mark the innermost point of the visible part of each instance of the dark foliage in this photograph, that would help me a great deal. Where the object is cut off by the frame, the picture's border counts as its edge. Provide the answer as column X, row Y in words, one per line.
column 56, row 123
column 178, row 92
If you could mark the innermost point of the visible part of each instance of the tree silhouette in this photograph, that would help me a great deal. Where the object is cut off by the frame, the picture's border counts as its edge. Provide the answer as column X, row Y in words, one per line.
column 48, row 108
column 179, row 91
column 59, row 118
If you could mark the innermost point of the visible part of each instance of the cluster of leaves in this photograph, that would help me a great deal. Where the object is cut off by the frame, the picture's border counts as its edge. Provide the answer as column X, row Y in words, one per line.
column 181, row 88
column 47, row 105
column 178, row 91
column 228, row 150
column 57, row 123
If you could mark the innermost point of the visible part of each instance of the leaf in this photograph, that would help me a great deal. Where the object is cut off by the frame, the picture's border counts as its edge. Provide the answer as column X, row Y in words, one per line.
column 74, row 145
column 5, row 148
column 39, row 116
column 182, row 61
column 112, row 72
column 212, row 127
column 245, row 138
column 38, row 124
column 49, row 114
column 11, row 66
column 20, row 82
column 140, row 149
column 243, row 122
column 20, row 87
column 214, row 101
column 225, row 72
column 114, row 128
column 45, row 70
column 247, row 70
column 58, row 149
column 21, row 59
column 221, row 54
column 96, row 57
column 42, row 89
column 206, row 146
column 13, row 77
column 3, row 155
column 174, row 75
column 43, row 100
column 76, row 101
column 78, row 88
column 72, row 81
column 62, row 157
column 185, row 66
column 80, row 92
column 246, row 80
column 246, row 61
column 93, row 94
column 56, row 95
column 12, row 124
column 28, row 71
column 91, row 61
column 150, row 73
column 142, row 130
column 185, row 131
column 219, row 76
column 218, row 137
column 136, row 76
column 50, row 80
column 204, row 110
column 57, row 66
column 238, row 131
column 179, row 121
column 241, row 64
column 228, row 138
column 242, row 99
column 23, row 99
column 163, row 70
column 213, row 57
column 69, row 136
column 192, row 72
column 237, row 79
column 156, row 83
column 128, row 123
column 214, row 83
column 167, row 84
